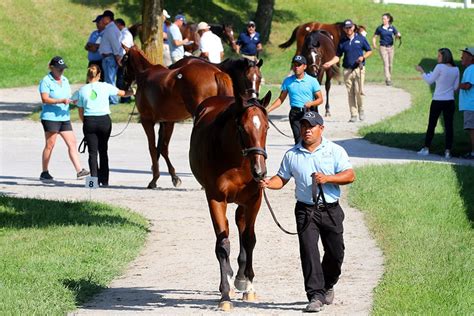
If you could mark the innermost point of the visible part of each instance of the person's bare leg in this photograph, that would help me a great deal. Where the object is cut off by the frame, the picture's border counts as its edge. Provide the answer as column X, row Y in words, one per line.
column 70, row 140
column 50, row 141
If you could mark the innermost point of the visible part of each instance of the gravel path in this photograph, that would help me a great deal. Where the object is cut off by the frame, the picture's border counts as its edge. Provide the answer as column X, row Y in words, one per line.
column 176, row 271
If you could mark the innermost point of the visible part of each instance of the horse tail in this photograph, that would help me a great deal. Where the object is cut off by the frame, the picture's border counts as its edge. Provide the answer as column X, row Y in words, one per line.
column 224, row 84
column 292, row 39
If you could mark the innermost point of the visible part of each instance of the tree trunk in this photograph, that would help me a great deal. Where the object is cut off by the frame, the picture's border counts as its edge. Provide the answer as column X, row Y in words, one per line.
column 152, row 30
column 263, row 18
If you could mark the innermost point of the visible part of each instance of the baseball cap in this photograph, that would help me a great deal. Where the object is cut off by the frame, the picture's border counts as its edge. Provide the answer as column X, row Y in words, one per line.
column 98, row 18
column 58, row 62
column 251, row 23
column 299, row 59
column 348, row 23
column 202, row 26
column 180, row 17
column 108, row 13
column 165, row 13
column 313, row 118
column 469, row 50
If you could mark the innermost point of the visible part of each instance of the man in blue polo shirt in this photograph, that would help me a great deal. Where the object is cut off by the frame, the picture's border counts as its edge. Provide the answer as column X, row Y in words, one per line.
column 305, row 94
column 356, row 50
column 248, row 44
column 316, row 164
column 466, row 95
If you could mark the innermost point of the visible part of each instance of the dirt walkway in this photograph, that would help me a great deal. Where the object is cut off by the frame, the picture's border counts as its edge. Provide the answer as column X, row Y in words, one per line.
column 177, row 272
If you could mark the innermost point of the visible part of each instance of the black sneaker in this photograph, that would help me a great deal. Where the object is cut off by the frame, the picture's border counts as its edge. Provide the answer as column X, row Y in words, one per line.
column 81, row 174
column 314, row 306
column 45, row 176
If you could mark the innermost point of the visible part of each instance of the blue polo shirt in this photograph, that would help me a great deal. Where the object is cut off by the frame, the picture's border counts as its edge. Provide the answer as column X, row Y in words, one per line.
column 299, row 163
column 94, row 56
column 248, row 44
column 352, row 50
column 300, row 90
column 94, row 98
column 466, row 97
column 55, row 112
column 386, row 34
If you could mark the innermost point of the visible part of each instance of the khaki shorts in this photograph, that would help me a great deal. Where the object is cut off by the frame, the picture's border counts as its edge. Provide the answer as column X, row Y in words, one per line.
column 468, row 119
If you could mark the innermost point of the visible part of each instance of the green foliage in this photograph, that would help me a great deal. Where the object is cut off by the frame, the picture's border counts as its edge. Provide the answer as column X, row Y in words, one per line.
column 422, row 216
column 56, row 255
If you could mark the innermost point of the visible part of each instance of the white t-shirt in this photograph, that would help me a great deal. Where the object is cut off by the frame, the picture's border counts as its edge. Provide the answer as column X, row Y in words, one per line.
column 211, row 43
column 126, row 38
column 446, row 79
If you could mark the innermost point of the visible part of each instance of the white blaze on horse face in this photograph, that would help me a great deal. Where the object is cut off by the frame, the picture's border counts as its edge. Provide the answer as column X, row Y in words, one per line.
column 256, row 122
column 313, row 54
column 254, row 85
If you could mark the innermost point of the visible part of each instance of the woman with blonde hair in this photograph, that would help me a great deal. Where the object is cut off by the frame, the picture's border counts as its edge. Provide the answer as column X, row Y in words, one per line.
column 94, row 110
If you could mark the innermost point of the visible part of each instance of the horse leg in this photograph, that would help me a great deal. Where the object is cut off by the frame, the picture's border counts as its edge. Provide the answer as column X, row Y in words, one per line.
column 222, row 249
column 164, row 136
column 328, row 87
column 149, row 127
column 245, row 220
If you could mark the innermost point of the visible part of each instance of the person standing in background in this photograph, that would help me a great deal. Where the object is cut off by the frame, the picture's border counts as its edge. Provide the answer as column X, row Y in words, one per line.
column 56, row 95
column 92, row 45
column 176, row 40
column 166, row 46
column 466, row 95
column 210, row 44
column 387, row 32
column 126, row 39
column 248, row 44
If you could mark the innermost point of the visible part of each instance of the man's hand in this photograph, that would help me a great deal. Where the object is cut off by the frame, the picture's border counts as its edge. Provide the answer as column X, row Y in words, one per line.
column 320, row 178
column 262, row 184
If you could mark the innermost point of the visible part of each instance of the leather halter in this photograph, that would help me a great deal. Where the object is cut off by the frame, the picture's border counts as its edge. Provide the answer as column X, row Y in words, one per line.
column 250, row 150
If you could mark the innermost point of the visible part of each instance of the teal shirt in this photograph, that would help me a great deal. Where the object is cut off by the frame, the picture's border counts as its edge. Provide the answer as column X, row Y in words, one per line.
column 58, row 112
column 300, row 91
column 94, row 98
column 466, row 97
column 299, row 163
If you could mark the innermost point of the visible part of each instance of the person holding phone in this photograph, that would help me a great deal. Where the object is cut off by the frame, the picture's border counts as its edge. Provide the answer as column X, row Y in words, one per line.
column 175, row 39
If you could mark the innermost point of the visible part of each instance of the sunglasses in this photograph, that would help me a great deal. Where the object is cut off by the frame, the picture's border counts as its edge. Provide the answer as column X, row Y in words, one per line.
column 297, row 65
column 251, row 26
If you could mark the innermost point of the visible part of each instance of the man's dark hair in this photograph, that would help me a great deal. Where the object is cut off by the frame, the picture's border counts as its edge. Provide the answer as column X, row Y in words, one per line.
column 120, row 21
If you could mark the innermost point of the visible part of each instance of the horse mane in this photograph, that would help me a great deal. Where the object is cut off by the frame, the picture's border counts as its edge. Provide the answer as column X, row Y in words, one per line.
column 142, row 53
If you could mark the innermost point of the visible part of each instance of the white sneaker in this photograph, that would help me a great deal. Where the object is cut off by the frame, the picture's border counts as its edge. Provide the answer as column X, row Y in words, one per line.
column 447, row 154
column 424, row 152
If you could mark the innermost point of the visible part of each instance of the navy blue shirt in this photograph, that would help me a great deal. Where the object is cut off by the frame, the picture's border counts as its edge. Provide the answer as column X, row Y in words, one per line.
column 386, row 34
column 248, row 45
column 352, row 50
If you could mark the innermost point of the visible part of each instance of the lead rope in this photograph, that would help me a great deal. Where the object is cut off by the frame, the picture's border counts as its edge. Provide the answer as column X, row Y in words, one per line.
column 278, row 130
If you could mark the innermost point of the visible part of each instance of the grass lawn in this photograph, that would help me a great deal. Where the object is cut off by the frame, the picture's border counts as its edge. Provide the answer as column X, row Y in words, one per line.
column 56, row 255
column 422, row 216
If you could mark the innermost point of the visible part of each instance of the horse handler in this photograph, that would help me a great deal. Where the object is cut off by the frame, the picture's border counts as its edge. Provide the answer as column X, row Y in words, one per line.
column 316, row 162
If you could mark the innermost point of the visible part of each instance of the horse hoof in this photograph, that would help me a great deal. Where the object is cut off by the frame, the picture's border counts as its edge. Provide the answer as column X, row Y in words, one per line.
column 151, row 185
column 225, row 306
column 232, row 293
column 249, row 296
column 176, row 182
column 327, row 114
column 240, row 284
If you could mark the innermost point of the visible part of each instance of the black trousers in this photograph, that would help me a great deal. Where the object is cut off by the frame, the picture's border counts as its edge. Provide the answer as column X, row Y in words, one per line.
column 97, row 131
column 327, row 224
column 295, row 116
column 447, row 108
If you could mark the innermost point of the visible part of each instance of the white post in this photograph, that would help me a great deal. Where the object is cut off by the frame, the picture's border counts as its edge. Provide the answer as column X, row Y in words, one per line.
column 467, row 4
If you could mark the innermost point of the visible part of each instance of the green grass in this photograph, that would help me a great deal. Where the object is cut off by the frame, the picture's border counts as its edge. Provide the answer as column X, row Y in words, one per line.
column 422, row 217
column 56, row 255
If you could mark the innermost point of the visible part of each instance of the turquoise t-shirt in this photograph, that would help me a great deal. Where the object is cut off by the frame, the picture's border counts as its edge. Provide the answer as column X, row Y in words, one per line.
column 94, row 98
column 466, row 97
column 300, row 90
column 55, row 112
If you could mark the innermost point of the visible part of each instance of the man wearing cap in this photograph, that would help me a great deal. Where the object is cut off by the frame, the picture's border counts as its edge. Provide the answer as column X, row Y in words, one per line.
column 92, row 45
column 304, row 91
column 248, row 44
column 466, row 95
column 210, row 44
column 111, row 50
column 176, row 40
column 166, row 46
column 316, row 163
column 356, row 49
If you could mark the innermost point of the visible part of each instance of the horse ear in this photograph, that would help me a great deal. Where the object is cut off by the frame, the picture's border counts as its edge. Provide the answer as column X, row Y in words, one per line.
column 266, row 99
column 260, row 63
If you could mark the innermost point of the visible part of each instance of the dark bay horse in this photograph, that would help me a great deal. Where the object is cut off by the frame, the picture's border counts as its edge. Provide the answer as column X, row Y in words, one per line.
column 318, row 48
column 189, row 31
column 168, row 96
column 245, row 74
column 227, row 156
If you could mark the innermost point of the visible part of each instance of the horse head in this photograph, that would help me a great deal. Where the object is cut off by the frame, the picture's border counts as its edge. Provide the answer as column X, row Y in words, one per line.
column 228, row 33
column 313, row 53
column 252, row 126
column 134, row 62
column 246, row 76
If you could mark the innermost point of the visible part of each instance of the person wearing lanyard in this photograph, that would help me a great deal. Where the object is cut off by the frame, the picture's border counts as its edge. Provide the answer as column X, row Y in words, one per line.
column 386, row 32
column 304, row 91
column 316, row 163
column 55, row 94
column 356, row 50
column 93, row 103
column 248, row 44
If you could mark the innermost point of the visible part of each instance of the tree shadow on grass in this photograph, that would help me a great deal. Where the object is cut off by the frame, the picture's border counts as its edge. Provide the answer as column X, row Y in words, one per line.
column 37, row 213
column 82, row 289
column 466, row 183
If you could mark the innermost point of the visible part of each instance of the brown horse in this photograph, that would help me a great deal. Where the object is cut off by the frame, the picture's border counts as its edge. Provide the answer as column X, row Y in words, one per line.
column 245, row 74
column 189, row 31
column 227, row 156
column 318, row 48
column 168, row 96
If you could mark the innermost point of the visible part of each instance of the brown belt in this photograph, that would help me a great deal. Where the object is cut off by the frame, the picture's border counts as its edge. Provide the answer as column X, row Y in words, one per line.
column 107, row 55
